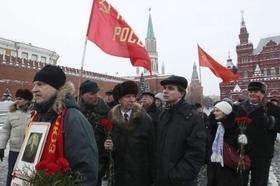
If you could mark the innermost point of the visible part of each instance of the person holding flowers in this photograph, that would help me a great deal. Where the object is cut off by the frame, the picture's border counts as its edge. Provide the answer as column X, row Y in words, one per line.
column 132, row 139
column 223, row 129
column 70, row 149
column 261, row 132
column 95, row 109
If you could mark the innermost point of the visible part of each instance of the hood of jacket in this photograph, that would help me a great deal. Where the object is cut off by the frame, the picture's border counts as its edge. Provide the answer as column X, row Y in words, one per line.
column 135, row 118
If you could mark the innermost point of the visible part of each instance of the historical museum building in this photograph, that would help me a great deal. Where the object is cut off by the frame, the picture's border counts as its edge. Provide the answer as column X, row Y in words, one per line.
column 255, row 64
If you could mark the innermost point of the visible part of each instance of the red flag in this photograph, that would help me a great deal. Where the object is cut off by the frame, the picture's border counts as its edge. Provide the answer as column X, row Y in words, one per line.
column 109, row 31
column 220, row 71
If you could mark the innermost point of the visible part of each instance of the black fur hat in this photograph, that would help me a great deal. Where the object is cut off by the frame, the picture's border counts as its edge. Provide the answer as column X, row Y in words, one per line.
column 255, row 85
column 127, row 87
column 25, row 94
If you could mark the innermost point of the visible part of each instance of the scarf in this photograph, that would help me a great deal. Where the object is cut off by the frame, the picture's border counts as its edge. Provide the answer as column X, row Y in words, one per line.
column 218, row 144
column 52, row 160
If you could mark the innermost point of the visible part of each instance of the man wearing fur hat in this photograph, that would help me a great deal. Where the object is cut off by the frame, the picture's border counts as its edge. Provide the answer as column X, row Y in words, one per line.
column 14, row 127
column 95, row 109
column 181, row 137
column 132, row 139
column 261, row 132
column 71, row 137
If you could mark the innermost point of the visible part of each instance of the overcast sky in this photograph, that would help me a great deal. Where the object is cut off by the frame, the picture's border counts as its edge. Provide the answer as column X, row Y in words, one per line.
column 179, row 25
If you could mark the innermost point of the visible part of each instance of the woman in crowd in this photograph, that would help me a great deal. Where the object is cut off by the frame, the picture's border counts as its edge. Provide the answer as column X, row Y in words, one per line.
column 222, row 130
column 14, row 128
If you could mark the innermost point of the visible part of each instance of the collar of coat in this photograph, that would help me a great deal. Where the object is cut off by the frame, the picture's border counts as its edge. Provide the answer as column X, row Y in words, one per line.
column 135, row 118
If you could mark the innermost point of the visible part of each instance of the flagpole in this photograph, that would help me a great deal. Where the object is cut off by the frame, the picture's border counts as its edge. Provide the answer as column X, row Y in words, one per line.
column 82, row 67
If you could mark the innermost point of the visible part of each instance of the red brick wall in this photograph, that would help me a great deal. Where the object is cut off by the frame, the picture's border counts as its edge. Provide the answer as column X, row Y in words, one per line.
column 14, row 76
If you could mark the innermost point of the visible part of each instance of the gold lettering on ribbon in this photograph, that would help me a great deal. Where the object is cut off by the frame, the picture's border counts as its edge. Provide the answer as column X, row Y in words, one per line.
column 54, row 135
column 104, row 7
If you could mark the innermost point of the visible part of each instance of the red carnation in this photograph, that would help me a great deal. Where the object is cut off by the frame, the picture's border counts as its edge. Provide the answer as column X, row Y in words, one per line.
column 107, row 123
column 243, row 120
column 63, row 164
column 52, row 169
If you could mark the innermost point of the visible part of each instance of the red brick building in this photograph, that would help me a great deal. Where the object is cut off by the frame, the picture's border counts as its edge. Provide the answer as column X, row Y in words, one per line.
column 255, row 64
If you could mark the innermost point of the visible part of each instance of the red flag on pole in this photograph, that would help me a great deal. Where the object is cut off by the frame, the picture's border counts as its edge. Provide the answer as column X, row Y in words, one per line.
column 109, row 31
column 220, row 71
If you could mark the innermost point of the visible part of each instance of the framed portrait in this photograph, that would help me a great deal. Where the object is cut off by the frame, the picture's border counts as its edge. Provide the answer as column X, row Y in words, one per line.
column 31, row 151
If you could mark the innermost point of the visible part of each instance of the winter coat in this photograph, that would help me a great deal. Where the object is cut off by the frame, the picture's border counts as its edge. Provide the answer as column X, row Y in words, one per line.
column 94, row 113
column 133, row 152
column 260, row 138
column 154, row 113
column 14, row 128
column 181, row 146
column 216, row 174
column 79, row 143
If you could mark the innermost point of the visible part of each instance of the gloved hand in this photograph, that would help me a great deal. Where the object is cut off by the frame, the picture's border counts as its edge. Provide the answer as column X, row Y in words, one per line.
column 242, row 139
column 1, row 154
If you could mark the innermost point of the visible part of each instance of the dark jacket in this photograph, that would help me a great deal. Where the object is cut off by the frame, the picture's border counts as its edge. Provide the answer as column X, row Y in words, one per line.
column 181, row 146
column 216, row 174
column 79, row 145
column 133, row 152
column 94, row 113
column 154, row 113
column 261, row 137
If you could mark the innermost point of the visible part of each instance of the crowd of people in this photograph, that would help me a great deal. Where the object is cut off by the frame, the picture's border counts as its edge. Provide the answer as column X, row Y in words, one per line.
column 147, row 141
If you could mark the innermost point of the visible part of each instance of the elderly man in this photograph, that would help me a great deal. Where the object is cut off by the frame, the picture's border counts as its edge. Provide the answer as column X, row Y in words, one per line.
column 132, row 139
column 95, row 109
column 70, row 131
column 181, row 137
column 261, row 132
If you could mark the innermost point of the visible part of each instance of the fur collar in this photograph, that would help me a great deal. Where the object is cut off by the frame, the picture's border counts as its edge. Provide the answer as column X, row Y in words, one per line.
column 136, row 116
column 68, row 89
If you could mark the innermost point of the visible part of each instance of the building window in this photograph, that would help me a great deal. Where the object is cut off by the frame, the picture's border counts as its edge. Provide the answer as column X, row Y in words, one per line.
column 264, row 71
column 245, row 75
column 43, row 59
column 24, row 55
column 13, row 53
column 272, row 71
column 34, row 57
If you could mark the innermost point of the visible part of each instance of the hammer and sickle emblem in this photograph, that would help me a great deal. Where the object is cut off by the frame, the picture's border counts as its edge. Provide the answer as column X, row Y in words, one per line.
column 105, row 7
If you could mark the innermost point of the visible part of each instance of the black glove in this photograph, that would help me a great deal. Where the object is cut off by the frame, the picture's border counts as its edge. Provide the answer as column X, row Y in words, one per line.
column 1, row 154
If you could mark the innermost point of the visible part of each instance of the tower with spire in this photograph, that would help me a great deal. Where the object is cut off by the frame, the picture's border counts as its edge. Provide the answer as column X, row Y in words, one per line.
column 245, row 48
column 195, row 90
column 151, row 47
column 254, row 64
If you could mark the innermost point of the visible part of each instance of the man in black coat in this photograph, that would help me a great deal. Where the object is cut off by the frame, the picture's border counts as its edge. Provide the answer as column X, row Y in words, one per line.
column 132, row 142
column 181, row 137
column 261, row 132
